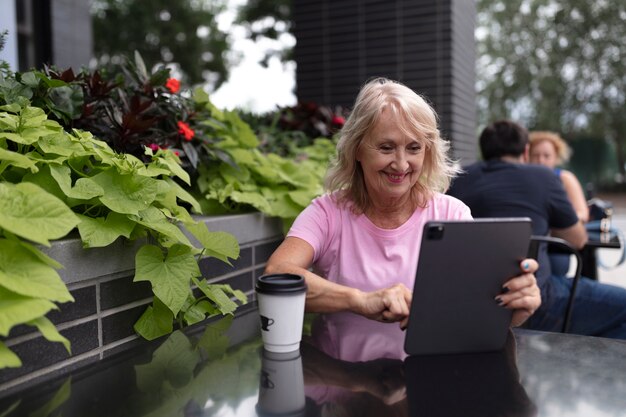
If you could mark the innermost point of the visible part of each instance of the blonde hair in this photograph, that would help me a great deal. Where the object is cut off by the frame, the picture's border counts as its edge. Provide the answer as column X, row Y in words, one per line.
column 418, row 119
column 563, row 152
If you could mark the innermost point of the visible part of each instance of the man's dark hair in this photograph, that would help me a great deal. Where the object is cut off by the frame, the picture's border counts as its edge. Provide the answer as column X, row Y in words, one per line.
column 503, row 138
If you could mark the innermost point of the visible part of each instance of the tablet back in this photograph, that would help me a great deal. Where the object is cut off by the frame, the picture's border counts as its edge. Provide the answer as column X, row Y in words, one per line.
column 462, row 266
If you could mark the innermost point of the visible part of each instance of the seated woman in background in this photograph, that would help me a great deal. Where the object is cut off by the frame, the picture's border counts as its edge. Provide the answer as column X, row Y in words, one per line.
column 549, row 149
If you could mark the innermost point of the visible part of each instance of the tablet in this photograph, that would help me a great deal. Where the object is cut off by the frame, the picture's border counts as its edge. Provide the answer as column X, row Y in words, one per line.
column 462, row 266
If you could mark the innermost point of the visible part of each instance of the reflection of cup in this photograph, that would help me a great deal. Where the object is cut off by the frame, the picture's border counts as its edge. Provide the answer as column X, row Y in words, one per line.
column 281, row 388
column 281, row 308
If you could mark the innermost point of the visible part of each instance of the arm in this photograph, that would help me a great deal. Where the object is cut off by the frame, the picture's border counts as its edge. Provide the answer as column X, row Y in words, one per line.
column 575, row 194
column 295, row 256
column 576, row 234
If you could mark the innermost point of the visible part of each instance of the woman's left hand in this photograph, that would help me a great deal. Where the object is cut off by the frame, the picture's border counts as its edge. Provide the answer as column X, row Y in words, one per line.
column 522, row 294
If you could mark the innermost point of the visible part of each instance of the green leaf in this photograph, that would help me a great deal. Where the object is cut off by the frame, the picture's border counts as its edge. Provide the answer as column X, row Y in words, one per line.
column 155, row 322
column 24, row 273
column 31, row 213
column 238, row 294
column 40, row 255
column 182, row 194
column 127, row 194
column 18, row 160
column 169, row 160
column 213, row 340
column 33, row 117
column 220, row 245
column 173, row 362
column 302, row 198
column 217, row 295
column 100, row 232
column 199, row 311
column 85, row 188
column 60, row 144
column 241, row 130
column 50, row 332
column 170, row 276
column 254, row 199
column 60, row 397
column 17, row 309
column 154, row 219
column 8, row 359
column 68, row 100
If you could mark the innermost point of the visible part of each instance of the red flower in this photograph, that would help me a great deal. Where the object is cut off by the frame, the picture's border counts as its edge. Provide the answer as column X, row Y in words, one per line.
column 154, row 147
column 173, row 85
column 186, row 131
column 338, row 120
column 176, row 153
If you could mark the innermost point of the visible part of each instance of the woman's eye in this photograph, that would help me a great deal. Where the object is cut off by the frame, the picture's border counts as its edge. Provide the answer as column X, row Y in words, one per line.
column 386, row 148
column 415, row 148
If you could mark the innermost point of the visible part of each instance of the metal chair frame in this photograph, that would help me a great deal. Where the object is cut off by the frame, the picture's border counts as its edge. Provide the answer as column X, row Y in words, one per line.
column 561, row 246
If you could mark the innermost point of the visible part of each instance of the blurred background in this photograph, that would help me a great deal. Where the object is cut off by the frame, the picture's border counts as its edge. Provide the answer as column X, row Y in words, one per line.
column 550, row 64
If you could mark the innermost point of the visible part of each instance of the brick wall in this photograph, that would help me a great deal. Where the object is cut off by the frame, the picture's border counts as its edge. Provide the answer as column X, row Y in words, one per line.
column 107, row 302
column 426, row 44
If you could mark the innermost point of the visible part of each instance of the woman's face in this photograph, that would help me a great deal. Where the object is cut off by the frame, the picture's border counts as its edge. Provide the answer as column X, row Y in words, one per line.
column 391, row 161
column 544, row 153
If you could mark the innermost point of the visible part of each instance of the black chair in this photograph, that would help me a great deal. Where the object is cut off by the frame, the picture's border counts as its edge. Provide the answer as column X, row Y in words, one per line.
column 557, row 245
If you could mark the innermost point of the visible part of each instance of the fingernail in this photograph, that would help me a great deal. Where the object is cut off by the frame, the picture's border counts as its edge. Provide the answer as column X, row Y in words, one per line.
column 499, row 301
column 505, row 290
column 526, row 265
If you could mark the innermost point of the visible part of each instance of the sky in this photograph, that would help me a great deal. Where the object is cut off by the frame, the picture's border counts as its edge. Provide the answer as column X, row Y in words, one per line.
column 251, row 86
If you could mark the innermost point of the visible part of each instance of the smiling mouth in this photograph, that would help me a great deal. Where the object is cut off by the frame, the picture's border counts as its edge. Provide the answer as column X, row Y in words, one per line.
column 396, row 177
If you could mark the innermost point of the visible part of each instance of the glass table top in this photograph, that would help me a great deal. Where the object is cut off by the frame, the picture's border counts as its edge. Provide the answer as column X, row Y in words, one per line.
column 346, row 366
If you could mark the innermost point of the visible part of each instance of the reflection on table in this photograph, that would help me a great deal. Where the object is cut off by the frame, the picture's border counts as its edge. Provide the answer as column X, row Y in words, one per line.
column 349, row 372
column 348, row 366
column 589, row 251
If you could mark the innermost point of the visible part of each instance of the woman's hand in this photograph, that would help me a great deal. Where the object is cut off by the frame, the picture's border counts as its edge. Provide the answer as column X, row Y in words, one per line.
column 521, row 293
column 387, row 305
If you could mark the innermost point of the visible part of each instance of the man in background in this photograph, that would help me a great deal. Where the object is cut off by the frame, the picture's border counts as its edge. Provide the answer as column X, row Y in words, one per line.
column 503, row 185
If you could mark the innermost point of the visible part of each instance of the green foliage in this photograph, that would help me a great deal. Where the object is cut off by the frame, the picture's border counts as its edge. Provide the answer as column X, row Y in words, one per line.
column 555, row 65
column 275, row 185
column 126, row 106
column 288, row 129
column 52, row 181
column 182, row 33
column 4, row 66
column 187, row 372
column 269, row 19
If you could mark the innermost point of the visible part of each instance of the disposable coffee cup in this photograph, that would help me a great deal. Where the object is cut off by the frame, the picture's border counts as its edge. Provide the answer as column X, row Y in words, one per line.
column 281, row 385
column 281, row 308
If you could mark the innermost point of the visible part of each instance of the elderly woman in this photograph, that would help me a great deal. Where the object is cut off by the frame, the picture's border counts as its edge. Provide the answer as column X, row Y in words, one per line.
column 357, row 246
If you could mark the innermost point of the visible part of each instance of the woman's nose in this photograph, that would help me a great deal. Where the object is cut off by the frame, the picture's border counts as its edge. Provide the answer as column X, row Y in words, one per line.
column 400, row 161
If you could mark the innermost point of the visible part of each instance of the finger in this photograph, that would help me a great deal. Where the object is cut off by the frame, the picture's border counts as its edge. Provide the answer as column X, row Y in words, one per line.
column 519, row 282
column 529, row 265
column 404, row 323
column 532, row 295
column 530, row 290
column 395, row 300
column 530, row 303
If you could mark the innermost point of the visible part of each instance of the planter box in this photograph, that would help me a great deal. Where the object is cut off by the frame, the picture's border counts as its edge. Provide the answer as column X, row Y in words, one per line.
column 107, row 301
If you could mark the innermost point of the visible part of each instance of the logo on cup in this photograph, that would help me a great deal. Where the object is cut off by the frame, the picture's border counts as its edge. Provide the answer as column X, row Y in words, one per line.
column 266, row 322
column 266, row 382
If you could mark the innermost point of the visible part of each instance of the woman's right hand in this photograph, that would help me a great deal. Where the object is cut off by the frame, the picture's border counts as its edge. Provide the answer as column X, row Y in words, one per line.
column 387, row 305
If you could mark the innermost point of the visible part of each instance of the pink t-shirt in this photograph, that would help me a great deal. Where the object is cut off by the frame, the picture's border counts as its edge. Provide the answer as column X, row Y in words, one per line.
column 350, row 250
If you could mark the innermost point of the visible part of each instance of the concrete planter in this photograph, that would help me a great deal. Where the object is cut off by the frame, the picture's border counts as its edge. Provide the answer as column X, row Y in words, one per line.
column 107, row 302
